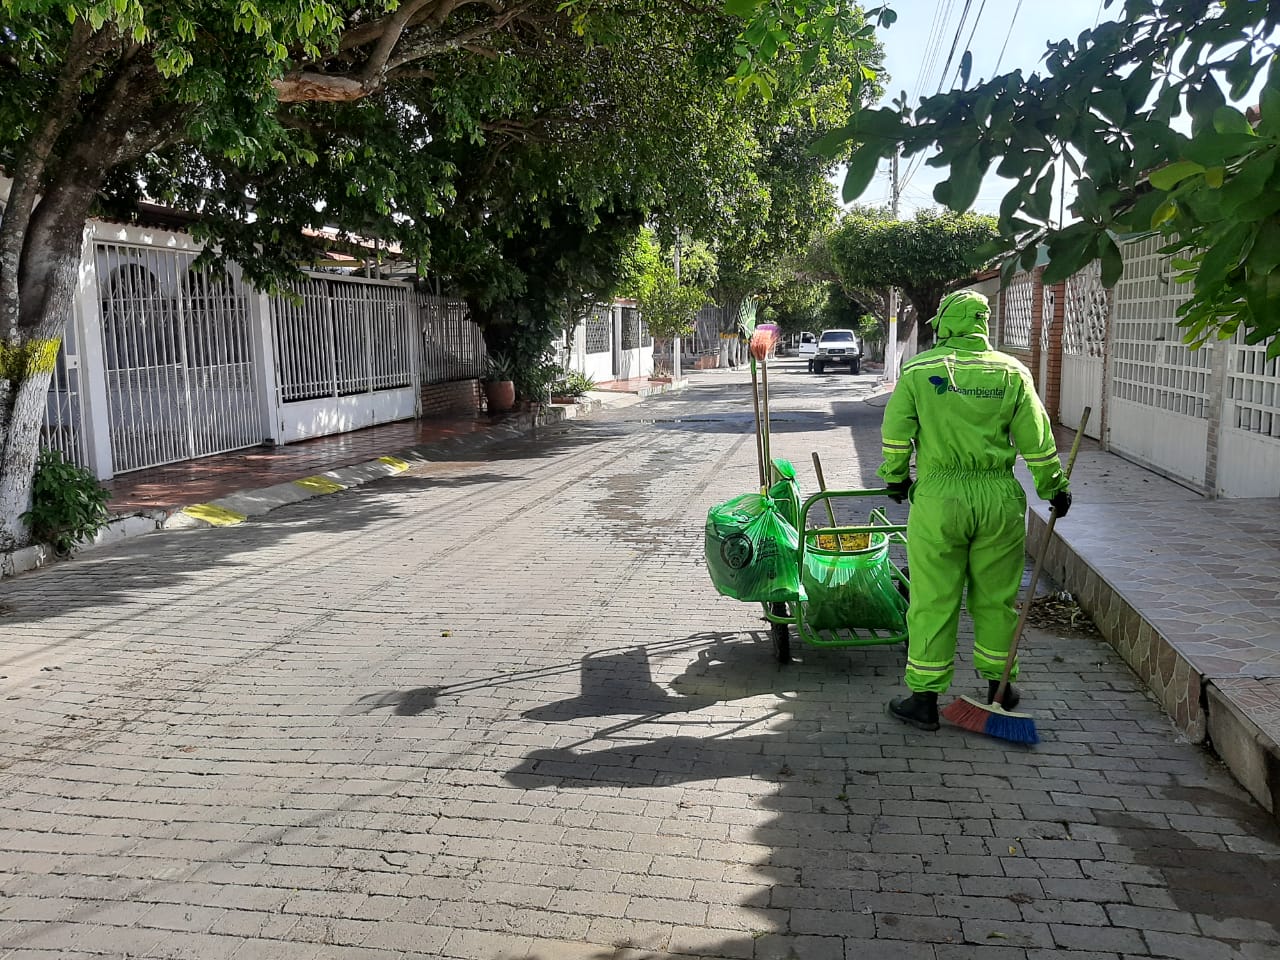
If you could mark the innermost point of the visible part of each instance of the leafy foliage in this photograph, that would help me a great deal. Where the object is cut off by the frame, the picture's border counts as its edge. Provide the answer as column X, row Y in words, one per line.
column 923, row 257
column 1109, row 105
column 573, row 384
column 68, row 505
column 668, row 303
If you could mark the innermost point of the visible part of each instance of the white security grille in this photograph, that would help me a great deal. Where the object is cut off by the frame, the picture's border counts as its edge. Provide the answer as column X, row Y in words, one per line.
column 1087, row 305
column 1253, row 390
column 179, row 360
column 452, row 345
column 337, row 336
column 63, row 426
column 1019, row 297
column 599, row 330
column 631, row 334
column 1151, row 365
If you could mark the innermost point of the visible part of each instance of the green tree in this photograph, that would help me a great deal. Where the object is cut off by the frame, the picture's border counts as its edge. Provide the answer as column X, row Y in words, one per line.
column 511, row 148
column 1108, row 106
column 924, row 257
column 668, row 304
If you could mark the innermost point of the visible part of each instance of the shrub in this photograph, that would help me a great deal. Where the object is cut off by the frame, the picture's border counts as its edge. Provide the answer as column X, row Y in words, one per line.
column 68, row 504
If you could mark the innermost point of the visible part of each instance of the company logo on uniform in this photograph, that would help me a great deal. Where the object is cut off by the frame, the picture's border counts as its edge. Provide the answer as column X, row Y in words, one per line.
column 941, row 385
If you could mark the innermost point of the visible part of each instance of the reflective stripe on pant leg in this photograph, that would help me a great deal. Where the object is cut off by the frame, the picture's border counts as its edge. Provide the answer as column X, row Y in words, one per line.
column 996, row 561
column 937, row 551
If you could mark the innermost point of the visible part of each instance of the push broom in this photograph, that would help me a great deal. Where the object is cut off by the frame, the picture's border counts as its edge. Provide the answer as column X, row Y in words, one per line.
column 991, row 718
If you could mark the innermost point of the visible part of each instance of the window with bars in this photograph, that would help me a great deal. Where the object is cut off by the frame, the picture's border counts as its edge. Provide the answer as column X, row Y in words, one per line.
column 599, row 330
column 1087, row 306
column 1018, row 299
column 631, row 332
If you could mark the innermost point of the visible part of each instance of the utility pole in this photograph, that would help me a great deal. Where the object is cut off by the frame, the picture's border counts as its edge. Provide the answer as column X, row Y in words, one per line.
column 891, row 347
column 676, row 340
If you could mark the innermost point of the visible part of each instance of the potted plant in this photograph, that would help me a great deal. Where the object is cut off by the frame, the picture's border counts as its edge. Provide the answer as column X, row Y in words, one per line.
column 499, row 383
column 534, row 382
column 571, row 386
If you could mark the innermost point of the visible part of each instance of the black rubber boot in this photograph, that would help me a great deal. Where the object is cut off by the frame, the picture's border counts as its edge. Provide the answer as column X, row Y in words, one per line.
column 1011, row 696
column 920, row 710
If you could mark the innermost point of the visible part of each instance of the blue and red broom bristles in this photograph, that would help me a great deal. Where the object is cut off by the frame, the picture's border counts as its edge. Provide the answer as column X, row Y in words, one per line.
column 992, row 720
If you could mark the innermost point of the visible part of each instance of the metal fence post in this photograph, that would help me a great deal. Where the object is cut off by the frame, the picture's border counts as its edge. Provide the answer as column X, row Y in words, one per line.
column 262, row 341
column 95, row 409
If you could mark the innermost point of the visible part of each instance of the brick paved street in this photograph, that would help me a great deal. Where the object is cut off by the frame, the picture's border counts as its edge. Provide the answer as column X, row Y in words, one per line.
column 494, row 710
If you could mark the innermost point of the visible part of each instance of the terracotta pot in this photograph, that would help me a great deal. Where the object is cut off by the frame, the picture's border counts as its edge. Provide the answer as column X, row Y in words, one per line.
column 500, row 395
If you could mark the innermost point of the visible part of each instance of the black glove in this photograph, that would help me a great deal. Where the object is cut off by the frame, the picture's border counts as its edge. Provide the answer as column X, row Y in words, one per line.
column 899, row 489
column 1061, row 503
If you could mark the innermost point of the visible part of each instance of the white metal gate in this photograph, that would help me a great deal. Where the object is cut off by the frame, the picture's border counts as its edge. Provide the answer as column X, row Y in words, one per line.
column 178, row 353
column 63, row 426
column 1249, row 435
column 1084, row 334
column 345, row 355
column 1159, row 402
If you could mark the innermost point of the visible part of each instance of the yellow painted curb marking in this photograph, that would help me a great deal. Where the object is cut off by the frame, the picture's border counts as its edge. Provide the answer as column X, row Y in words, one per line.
column 397, row 464
column 319, row 484
column 218, row 516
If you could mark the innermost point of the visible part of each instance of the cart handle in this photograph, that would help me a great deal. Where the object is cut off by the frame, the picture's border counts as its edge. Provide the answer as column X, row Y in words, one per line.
column 825, row 496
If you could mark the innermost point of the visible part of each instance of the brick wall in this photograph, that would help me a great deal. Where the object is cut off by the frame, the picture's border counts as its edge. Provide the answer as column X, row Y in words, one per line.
column 456, row 396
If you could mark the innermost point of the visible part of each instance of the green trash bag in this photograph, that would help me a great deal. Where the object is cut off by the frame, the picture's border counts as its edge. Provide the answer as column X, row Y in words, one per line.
column 852, row 588
column 785, row 491
column 751, row 550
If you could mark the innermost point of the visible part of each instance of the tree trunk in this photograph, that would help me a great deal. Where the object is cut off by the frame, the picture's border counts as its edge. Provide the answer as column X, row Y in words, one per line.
column 21, row 442
column 36, row 287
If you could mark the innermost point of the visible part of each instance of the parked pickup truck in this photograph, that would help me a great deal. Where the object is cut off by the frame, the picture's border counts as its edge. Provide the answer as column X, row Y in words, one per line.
column 837, row 347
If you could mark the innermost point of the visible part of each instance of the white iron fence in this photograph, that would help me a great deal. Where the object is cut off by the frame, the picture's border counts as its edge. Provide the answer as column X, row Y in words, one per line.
column 336, row 336
column 63, row 425
column 452, row 345
column 177, row 349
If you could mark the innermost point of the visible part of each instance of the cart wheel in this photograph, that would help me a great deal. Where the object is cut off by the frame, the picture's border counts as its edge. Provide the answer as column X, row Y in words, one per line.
column 781, row 633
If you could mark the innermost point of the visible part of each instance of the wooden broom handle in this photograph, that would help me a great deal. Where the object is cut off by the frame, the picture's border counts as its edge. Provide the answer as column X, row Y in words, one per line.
column 1039, row 565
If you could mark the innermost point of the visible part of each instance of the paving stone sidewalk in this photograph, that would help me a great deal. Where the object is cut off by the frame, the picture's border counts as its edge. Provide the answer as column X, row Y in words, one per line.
column 491, row 708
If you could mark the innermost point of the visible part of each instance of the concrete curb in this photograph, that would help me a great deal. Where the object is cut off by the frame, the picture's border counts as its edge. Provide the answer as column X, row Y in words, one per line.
column 237, row 507
column 1209, row 711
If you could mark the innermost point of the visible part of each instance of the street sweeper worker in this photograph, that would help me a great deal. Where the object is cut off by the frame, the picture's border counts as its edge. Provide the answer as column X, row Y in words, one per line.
column 967, row 411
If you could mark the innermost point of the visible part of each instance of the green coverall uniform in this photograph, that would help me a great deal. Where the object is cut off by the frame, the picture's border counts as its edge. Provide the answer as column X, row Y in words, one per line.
column 959, row 404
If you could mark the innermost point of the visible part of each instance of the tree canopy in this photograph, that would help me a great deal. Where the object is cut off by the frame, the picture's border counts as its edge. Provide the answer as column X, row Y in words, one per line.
column 1109, row 105
column 925, row 257
column 511, row 148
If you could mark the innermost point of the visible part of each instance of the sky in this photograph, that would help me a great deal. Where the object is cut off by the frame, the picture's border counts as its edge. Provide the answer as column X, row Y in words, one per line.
column 1009, row 34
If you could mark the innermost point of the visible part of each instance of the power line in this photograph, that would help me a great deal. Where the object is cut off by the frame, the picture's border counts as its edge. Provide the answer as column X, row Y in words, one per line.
column 968, row 44
column 955, row 42
column 1012, row 21
column 930, row 42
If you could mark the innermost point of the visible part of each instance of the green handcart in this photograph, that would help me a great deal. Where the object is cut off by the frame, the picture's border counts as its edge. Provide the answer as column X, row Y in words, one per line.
column 849, row 597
